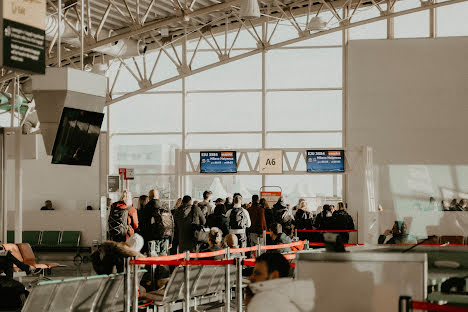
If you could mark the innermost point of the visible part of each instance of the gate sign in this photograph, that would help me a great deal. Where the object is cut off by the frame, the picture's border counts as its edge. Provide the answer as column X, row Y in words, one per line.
column 270, row 161
column 23, row 35
column 270, row 197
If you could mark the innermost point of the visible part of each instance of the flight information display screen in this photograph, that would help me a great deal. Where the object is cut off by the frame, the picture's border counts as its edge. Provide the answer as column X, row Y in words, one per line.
column 218, row 162
column 325, row 161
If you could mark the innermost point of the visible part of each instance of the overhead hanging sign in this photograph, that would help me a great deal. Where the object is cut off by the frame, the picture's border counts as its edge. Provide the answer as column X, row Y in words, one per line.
column 23, row 35
column 127, row 173
column 271, row 161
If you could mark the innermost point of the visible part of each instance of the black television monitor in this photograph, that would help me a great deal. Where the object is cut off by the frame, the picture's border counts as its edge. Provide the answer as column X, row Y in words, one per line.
column 325, row 161
column 77, row 137
column 218, row 162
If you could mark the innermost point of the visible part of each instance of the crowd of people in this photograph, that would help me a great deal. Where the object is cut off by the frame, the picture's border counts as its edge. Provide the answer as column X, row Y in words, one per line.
column 206, row 225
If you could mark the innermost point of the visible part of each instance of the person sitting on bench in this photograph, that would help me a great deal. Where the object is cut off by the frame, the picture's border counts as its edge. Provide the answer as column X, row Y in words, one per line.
column 7, row 260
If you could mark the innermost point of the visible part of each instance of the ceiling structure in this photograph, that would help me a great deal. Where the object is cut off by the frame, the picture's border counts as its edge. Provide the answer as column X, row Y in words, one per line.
column 133, row 35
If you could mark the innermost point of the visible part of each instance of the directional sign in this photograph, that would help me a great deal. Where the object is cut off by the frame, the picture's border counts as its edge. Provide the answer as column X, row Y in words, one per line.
column 22, row 41
column 271, row 161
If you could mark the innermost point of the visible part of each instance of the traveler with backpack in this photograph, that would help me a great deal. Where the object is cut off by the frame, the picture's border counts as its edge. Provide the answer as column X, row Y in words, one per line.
column 188, row 218
column 283, row 216
column 123, row 219
column 239, row 221
column 159, row 226
column 206, row 206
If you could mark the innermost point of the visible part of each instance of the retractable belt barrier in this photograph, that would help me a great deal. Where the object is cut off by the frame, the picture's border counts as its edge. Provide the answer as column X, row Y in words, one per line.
column 406, row 304
column 177, row 259
column 426, row 306
column 323, row 244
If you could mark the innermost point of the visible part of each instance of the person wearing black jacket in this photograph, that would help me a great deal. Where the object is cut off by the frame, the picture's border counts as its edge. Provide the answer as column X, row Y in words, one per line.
column 343, row 221
column 187, row 217
column 147, row 213
column 218, row 219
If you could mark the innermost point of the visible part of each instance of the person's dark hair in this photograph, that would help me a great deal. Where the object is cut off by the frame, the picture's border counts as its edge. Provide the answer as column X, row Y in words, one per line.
column 207, row 194
column 237, row 194
column 326, row 208
column 276, row 228
column 254, row 199
column 340, row 206
column 142, row 200
column 275, row 262
column 186, row 199
column 237, row 199
column 220, row 209
column 228, row 200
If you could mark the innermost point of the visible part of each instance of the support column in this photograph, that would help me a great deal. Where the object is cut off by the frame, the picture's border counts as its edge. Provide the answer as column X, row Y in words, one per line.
column 344, row 86
column 433, row 22
column 264, row 92
column 184, row 130
column 390, row 21
column 18, row 171
column 4, row 205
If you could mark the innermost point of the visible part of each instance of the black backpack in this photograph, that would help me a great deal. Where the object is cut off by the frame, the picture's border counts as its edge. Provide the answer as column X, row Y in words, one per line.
column 237, row 219
column 162, row 225
column 118, row 223
column 303, row 219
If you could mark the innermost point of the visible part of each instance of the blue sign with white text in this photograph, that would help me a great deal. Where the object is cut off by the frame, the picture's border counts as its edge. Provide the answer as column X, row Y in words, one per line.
column 325, row 161
column 218, row 162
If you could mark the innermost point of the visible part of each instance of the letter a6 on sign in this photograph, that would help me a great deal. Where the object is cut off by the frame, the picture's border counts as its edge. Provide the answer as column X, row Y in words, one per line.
column 271, row 161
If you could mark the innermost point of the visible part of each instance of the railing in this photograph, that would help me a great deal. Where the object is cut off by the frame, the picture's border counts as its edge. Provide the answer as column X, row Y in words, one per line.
column 184, row 259
column 405, row 304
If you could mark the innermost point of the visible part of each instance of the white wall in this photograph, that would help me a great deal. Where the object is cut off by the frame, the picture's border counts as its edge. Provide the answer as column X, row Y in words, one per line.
column 70, row 188
column 407, row 99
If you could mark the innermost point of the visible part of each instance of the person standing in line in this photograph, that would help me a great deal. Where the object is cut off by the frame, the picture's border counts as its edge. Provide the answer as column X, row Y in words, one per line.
column 187, row 216
column 343, row 221
column 239, row 220
column 218, row 219
column 123, row 218
column 153, row 204
column 206, row 206
column 283, row 216
column 257, row 217
column 161, row 229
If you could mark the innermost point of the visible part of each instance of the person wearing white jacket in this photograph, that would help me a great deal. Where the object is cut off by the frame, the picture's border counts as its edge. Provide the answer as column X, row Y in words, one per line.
column 271, row 290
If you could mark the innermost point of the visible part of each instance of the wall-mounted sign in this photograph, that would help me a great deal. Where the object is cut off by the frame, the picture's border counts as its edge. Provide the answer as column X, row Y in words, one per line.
column 271, row 161
column 127, row 173
column 23, row 35
column 113, row 184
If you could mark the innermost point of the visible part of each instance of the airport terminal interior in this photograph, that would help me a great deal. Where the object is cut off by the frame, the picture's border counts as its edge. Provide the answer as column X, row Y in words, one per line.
column 234, row 155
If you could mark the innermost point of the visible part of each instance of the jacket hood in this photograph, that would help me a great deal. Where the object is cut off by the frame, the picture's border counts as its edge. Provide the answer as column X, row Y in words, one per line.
column 120, row 205
column 115, row 249
column 185, row 210
column 300, row 293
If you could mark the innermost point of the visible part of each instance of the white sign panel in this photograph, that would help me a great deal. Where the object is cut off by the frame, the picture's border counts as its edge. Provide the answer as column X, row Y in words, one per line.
column 271, row 161
column 130, row 174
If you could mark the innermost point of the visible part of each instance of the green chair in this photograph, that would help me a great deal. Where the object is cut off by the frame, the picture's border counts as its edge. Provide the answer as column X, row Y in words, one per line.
column 32, row 237
column 50, row 238
column 70, row 239
column 10, row 237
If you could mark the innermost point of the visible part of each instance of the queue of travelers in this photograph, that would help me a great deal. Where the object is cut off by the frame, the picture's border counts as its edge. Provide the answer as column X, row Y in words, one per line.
column 203, row 225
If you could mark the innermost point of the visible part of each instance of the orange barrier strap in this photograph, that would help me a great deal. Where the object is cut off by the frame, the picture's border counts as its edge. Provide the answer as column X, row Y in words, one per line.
column 146, row 304
column 208, row 254
column 325, row 231
column 172, row 257
column 147, row 261
column 245, row 249
column 281, row 246
column 425, row 306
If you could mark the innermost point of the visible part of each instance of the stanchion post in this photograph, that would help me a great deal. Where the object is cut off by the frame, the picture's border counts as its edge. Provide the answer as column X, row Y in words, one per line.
column 404, row 304
column 239, row 284
column 135, row 288
column 259, row 248
column 186, row 288
column 264, row 237
column 306, row 247
column 127, row 286
column 227, row 290
column 295, row 235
